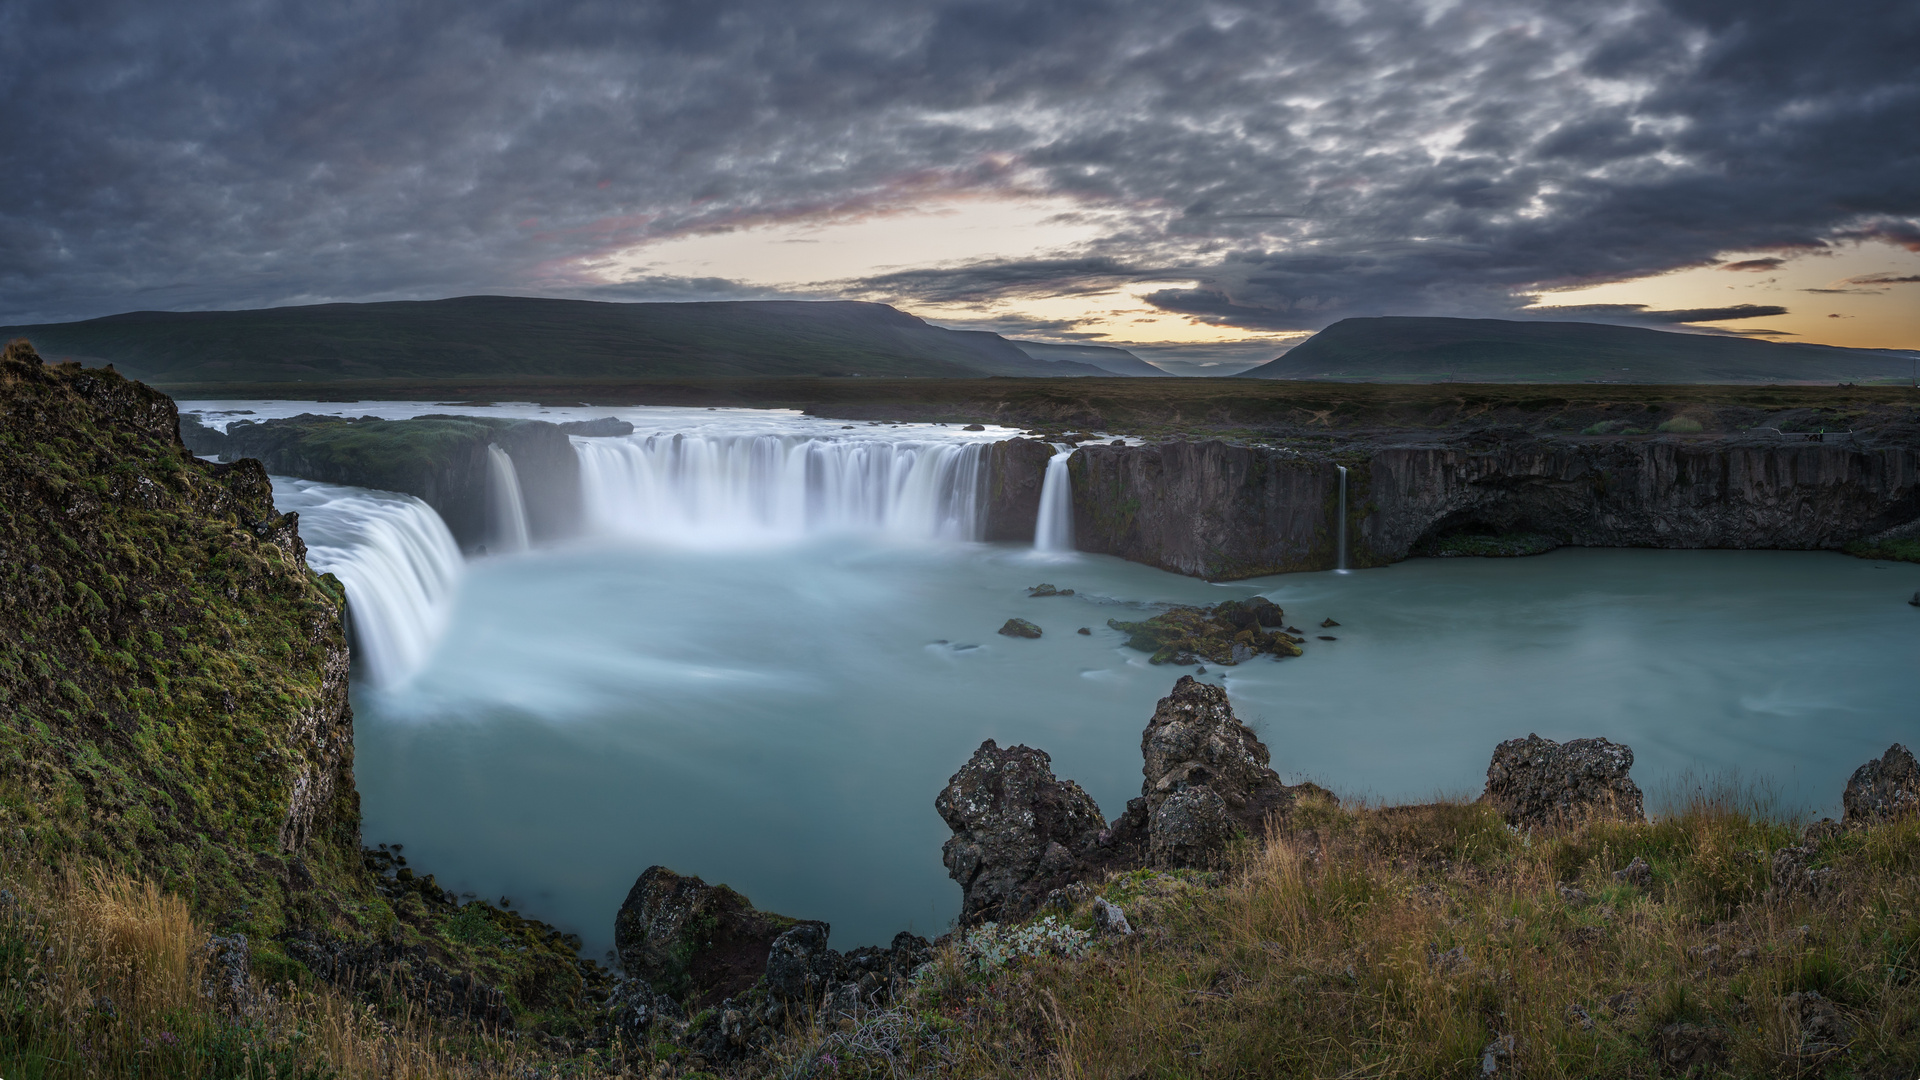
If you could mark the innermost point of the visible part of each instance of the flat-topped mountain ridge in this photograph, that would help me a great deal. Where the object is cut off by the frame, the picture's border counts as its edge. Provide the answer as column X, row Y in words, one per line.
column 473, row 336
column 1421, row 349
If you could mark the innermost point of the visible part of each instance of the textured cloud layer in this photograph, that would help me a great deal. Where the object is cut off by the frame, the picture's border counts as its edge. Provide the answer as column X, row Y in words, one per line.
column 1298, row 161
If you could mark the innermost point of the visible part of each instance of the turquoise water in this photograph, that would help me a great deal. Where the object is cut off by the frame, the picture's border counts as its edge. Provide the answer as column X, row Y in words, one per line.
column 780, row 718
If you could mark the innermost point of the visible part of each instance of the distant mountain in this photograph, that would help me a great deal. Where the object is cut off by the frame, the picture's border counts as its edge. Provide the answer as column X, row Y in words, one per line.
column 1110, row 360
column 474, row 336
column 1406, row 349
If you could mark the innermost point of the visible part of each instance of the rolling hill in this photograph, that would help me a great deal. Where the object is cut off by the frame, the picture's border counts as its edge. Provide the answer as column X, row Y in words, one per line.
column 481, row 336
column 1108, row 359
column 1415, row 349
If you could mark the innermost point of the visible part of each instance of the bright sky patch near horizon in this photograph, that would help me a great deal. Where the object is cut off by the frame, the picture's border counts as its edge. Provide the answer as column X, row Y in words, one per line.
column 1208, row 182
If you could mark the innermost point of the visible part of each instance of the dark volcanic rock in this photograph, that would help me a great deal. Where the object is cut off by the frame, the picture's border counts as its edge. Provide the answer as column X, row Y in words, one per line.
column 1539, row 783
column 799, row 964
column 1226, row 633
column 1018, row 831
column 604, row 426
column 1020, row 628
column 684, row 937
column 1884, row 788
column 1221, row 511
column 1206, row 777
column 1015, row 469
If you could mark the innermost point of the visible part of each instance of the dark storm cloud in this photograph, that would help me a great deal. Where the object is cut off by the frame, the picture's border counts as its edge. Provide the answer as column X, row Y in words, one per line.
column 1640, row 313
column 1298, row 162
column 1756, row 265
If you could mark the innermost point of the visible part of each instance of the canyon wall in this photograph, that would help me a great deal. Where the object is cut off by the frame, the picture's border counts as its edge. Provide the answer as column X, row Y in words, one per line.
column 440, row 459
column 1221, row 511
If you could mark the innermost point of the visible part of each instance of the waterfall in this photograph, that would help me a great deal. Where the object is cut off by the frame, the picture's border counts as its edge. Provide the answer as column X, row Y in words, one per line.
column 730, row 488
column 1054, row 529
column 1340, row 566
column 506, row 510
column 397, row 560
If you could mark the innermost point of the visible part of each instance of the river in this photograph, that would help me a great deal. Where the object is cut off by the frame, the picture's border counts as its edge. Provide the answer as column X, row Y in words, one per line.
column 774, row 705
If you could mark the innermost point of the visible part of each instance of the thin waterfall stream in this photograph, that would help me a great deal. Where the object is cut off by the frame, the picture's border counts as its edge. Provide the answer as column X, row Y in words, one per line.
column 1340, row 557
column 506, row 509
column 1053, row 530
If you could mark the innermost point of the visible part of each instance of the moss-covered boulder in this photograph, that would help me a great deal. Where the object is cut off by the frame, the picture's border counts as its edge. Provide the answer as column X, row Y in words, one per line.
column 1226, row 633
column 693, row 941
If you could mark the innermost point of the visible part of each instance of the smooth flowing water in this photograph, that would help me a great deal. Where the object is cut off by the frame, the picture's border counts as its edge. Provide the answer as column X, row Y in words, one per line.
column 779, row 715
column 506, row 509
column 1053, row 531
column 397, row 560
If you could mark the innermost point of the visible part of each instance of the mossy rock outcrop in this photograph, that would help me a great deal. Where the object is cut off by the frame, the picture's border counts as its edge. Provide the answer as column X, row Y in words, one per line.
column 173, row 702
column 173, row 677
column 1226, row 633
column 690, row 940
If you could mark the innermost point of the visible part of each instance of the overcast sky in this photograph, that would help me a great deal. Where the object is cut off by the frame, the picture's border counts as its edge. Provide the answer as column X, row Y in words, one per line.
column 1214, row 179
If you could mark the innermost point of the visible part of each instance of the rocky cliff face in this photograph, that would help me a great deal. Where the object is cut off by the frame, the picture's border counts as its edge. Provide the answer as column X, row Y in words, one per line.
column 1656, row 493
column 440, row 459
column 173, row 678
column 1221, row 511
column 1015, row 470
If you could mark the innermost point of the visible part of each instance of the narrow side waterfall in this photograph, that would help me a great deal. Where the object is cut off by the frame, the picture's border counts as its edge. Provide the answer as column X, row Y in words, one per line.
column 506, row 510
column 1340, row 566
column 397, row 560
column 733, row 488
column 1054, row 530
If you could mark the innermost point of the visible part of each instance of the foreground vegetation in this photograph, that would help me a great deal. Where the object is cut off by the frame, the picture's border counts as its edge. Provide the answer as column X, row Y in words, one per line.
column 1433, row 941
column 1425, row 941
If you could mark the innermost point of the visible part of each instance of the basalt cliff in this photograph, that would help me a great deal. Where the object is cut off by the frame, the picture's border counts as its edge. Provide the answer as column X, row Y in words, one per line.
column 1222, row 510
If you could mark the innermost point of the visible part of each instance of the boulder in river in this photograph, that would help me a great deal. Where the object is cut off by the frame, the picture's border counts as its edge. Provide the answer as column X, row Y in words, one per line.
column 1226, row 633
column 1018, row 831
column 1883, row 789
column 1020, row 628
column 1539, row 783
column 684, row 937
column 1048, row 590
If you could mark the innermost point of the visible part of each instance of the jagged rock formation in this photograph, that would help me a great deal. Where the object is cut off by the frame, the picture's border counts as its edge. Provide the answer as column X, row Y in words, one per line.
column 686, row 938
column 441, row 459
column 1223, row 511
column 1226, row 633
column 1883, row 789
column 1541, row 784
column 1018, row 831
column 1207, row 777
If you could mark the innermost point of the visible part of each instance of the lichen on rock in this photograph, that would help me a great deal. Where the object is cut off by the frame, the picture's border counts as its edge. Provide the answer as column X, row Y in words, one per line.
column 1539, row 783
column 1018, row 831
column 1883, row 789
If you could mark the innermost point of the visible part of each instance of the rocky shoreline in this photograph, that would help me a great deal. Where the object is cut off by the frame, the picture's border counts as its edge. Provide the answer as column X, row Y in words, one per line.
column 721, row 982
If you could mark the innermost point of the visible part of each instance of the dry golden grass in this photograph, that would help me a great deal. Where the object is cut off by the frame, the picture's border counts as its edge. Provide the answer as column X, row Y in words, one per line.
column 1434, row 942
column 103, row 974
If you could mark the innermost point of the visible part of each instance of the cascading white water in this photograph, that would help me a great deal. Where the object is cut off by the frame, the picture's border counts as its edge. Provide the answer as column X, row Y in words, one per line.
column 399, row 563
column 1340, row 566
column 732, row 488
column 1054, row 529
column 506, row 510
